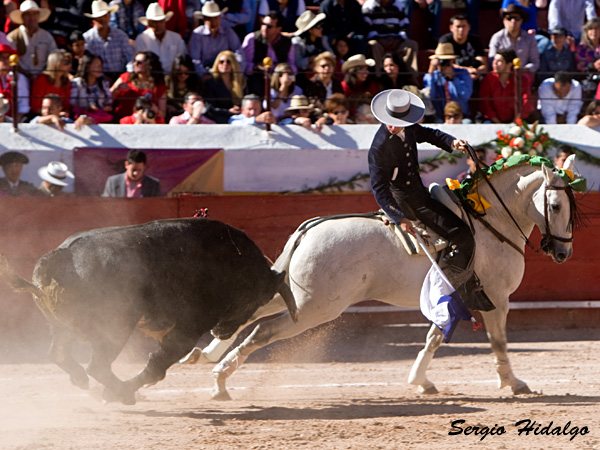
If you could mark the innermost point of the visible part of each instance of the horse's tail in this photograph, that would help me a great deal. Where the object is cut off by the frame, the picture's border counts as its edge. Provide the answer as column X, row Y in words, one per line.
column 15, row 281
column 283, row 261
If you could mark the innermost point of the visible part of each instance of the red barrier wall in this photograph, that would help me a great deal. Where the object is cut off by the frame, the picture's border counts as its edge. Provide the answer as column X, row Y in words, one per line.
column 30, row 227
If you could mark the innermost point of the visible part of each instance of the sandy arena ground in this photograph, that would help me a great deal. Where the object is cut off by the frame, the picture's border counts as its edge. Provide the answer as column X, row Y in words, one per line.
column 336, row 387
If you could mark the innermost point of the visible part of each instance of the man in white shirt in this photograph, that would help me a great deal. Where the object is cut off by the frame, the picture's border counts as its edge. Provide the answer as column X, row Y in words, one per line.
column 157, row 39
column 33, row 44
column 560, row 98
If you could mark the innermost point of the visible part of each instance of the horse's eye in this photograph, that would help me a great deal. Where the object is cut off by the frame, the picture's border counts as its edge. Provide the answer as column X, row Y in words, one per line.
column 555, row 208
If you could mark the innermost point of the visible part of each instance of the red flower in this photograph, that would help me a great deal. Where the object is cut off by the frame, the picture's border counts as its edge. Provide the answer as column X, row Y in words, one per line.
column 519, row 121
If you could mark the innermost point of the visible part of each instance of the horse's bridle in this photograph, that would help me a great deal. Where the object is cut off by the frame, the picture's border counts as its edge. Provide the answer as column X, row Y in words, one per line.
column 548, row 238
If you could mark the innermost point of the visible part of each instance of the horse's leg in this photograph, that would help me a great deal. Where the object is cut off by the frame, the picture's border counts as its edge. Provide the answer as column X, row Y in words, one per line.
column 280, row 327
column 418, row 373
column 495, row 323
column 60, row 354
column 217, row 347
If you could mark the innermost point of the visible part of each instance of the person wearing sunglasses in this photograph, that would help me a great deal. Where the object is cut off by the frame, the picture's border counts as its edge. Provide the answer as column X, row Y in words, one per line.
column 323, row 84
column 513, row 36
column 338, row 109
column 224, row 91
column 309, row 41
column 211, row 38
column 267, row 41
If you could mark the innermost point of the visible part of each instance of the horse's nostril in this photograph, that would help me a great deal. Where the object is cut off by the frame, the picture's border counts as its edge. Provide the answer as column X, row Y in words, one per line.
column 561, row 257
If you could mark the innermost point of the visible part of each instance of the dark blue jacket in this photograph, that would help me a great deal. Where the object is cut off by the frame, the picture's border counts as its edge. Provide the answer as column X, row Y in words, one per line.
column 394, row 164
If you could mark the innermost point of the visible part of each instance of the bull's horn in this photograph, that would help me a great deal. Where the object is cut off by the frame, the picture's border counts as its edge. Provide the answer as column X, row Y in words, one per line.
column 290, row 302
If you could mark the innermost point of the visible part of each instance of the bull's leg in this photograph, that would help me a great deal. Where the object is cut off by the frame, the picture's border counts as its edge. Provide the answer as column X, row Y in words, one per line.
column 176, row 344
column 495, row 323
column 60, row 354
column 418, row 373
column 280, row 327
column 104, row 352
column 215, row 350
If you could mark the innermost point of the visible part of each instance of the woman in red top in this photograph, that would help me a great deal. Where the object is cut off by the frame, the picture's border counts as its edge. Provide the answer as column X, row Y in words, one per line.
column 359, row 85
column 497, row 90
column 56, row 79
column 147, row 79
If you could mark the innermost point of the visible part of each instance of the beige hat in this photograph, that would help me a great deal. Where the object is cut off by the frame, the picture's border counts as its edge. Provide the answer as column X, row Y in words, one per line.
column 299, row 102
column 307, row 20
column 357, row 61
column 444, row 50
column 210, row 9
column 56, row 173
column 397, row 107
column 16, row 16
column 156, row 13
column 100, row 8
column 4, row 105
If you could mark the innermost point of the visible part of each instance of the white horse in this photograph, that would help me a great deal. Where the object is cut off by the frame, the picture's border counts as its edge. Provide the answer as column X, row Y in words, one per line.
column 341, row 262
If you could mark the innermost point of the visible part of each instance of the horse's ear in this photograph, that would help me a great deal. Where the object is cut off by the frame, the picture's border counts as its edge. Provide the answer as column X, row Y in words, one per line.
column 569, row 163
column 548, row 175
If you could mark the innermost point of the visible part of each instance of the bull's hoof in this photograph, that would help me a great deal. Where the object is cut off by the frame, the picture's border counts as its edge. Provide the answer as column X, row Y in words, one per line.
column 126, row 398
column 522, row 390
column 431, row 390
column 219, row 395
column 80, row 379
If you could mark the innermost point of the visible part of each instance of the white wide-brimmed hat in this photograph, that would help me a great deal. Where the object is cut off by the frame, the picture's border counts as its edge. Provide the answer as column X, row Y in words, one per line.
column 444, row 50
column 28, row 5
column 357, row 61
column 4, row 105
column 56, row 173
column 210, row 9
column 398, row 108
column 100, row 8
column 156, row 13
column 307, row 20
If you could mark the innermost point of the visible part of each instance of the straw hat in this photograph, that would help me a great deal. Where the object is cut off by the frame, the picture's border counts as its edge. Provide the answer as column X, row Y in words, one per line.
column 56, row 173
column 28, row 5
column 307, row 20
column 397, row 107
column 210, row 9
column 357, row 61
column 155, row 13
column 299, row 102
column 444, row 50
column 100, row 8
column 4, row 105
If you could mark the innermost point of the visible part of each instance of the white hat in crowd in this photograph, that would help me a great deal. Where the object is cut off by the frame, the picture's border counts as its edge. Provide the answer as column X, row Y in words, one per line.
column 155, row 13
column 210, row 9
column 16, row 16
column 100, row 8
column 56, row 173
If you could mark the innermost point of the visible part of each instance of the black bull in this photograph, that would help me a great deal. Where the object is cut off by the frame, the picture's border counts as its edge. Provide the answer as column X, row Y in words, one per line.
column 175, row 279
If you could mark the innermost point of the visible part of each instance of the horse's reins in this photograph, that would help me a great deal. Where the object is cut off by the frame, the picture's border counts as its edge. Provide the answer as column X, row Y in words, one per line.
column 545, row 242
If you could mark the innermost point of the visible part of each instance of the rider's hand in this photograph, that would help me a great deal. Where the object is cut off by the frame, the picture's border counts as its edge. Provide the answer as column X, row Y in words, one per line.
column 459, row 144
column 406, row 226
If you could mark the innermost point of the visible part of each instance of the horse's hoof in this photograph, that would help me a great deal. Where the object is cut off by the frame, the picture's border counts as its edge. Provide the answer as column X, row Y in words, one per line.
column 431, row 390
column 192, row 357
column 221, row 396
column 522, row 390
column 127, row 398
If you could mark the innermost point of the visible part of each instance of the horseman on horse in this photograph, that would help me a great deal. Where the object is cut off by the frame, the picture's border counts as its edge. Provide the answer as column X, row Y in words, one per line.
column 399, row 190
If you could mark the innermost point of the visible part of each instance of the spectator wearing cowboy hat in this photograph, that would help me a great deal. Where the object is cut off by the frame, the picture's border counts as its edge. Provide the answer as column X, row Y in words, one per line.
column 399, row 190
column 33, row 43
column 5, row 83
column 323, row 84
column 110, row 44
column 157, row 39
column 359, row 85
column 513, row 36
column 12, row 165
column 446, row 82
column 211, row 38
column 299, row 113
column 55, row 176
column 308, row 40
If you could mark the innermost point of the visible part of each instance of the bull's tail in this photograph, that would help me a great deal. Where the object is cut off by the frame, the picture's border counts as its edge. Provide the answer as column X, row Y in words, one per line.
column 15, row 281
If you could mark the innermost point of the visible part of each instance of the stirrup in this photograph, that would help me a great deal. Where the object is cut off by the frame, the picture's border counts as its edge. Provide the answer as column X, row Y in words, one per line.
column 474, row 297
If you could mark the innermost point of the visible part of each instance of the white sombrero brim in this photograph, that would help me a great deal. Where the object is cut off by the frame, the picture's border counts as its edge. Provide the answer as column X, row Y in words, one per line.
column 318, row 18
column 415, row 112
column 44, row 175
column 167, row 16
column 97, row 14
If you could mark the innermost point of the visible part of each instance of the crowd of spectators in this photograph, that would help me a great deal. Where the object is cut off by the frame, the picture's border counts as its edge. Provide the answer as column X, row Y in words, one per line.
column 199, row 62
